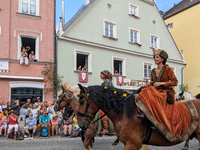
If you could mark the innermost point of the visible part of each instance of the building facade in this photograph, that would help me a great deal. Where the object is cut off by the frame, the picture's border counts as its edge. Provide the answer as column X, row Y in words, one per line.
column 183, row 23
column 25, row 23
column 115, row 35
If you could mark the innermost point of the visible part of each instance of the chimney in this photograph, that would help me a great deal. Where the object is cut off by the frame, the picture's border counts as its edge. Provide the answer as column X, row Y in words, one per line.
column 63, row 13
column 87, row 2
column 162, row 13
column 60, row 29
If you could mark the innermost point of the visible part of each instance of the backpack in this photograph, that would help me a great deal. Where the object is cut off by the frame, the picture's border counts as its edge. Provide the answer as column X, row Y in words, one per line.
column 20, row 135
column 44, row 131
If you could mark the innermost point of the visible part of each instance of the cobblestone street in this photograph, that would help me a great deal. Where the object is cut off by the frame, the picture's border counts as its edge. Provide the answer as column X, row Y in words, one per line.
column 101, row 143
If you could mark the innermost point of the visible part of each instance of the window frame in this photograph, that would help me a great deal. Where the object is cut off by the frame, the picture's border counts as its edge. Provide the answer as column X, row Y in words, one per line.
column 36, row 44
column 147, row 63
column 137, row 9
column 138, row 35
column 158, row 41
column 77, row 51
column 37, row 8
column 114, row 29
column 123, row 64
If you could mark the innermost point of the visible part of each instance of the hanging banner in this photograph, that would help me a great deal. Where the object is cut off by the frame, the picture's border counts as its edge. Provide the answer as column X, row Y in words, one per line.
column 148, row 81
column 83, row 76
column 120, row 80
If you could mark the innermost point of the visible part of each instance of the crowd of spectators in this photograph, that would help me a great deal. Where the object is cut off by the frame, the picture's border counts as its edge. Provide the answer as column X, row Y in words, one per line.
column 35, row 116
column 27, row 55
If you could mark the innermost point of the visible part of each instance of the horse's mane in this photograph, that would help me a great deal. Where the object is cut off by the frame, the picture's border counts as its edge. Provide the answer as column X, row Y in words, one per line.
column 74, row 90
column 106, row 99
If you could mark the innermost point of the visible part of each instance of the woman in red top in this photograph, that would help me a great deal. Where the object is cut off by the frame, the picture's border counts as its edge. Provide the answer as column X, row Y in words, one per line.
column 12, row 123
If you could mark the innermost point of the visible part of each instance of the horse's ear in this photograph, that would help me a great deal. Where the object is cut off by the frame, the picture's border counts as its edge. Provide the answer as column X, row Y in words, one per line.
column 82, row 88
column 62, row 87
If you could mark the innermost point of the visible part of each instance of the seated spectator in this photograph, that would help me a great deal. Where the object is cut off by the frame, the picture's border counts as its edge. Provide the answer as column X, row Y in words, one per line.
column 38, row 103
column 67, row 125
column 32, row 56
column 12, row 123
column 116, row 72
column 30, row 125
column 4, row 113
column 84, row 69
column 23, row 56
column 35, row 112
column 3, row 104
column 77, row 128
column 30, row 107
column 16, row 107
column 54, row 123
column 50, row 110
column 24, row 111
column 9, row 107
column 79, row 68
column 5, row 121
column 44, row 121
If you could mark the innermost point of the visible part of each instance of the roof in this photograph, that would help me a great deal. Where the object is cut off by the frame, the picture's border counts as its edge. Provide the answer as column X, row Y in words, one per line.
column 183, row 5
column 77, row 15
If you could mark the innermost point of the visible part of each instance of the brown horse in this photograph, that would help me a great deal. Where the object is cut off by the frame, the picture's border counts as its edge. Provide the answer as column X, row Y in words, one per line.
column 69, row 98
column 130, row 130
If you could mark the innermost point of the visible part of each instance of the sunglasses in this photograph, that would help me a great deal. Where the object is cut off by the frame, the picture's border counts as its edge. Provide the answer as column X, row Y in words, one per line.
column 45, row 113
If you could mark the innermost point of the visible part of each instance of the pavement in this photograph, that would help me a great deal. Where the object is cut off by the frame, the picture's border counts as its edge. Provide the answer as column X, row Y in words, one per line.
column 101, row 143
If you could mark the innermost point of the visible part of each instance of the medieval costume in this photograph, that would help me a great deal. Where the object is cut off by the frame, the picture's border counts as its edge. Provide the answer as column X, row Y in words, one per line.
column 162, row 110
column 107, row 82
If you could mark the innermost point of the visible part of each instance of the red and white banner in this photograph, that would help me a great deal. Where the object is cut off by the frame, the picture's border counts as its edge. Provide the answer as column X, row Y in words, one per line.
column 120, row 80
column 83, row 76
column 148, row 81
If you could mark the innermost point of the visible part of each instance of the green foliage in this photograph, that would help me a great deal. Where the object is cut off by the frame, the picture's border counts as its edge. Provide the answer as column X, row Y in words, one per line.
column 54, row 80
column 184, row 88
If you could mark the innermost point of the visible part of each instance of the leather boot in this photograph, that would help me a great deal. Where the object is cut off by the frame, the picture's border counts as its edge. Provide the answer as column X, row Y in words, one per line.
column 105, row 126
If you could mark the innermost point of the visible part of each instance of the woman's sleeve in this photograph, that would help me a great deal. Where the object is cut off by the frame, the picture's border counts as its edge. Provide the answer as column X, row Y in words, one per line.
column 172, row 78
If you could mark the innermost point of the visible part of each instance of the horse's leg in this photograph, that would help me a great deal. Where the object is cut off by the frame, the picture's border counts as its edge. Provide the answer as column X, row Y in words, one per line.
column 88, row 142
column 129, row 146
column 186, row 145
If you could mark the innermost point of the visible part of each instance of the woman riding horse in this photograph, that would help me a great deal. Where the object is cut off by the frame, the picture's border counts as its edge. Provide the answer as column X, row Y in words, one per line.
column 162, row 79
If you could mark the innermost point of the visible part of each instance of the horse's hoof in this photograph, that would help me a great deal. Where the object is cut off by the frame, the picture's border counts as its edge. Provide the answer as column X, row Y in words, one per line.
column 184, row 149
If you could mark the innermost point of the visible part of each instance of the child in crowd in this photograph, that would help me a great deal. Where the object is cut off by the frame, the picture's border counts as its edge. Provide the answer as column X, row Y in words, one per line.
column 4, row 113
column 54, row 122
column 5, row 121
column 1, row 126
column 50, row 110
column 67, row 125
column 75, row 124
column 60, row 117
column 30, row 107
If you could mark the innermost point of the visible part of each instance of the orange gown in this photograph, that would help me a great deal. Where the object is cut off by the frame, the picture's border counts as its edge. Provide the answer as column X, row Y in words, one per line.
column 175, row 117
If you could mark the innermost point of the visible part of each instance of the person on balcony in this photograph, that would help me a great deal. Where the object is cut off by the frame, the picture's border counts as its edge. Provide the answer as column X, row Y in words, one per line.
column 84, row 69
column 32, row 56
column 23, row 56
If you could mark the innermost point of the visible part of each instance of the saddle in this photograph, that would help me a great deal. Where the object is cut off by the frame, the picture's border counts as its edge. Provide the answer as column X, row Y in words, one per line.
column 166, row 132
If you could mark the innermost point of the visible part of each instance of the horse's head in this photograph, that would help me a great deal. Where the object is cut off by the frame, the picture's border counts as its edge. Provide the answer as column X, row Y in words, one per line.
column 64, row 98
column 87, row 109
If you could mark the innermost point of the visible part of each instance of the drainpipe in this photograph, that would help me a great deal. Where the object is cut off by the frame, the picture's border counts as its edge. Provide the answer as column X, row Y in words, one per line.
column 182, row 67
column 55, row 42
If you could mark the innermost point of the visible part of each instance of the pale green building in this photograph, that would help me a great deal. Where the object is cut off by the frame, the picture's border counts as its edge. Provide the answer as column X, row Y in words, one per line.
column 115, row 35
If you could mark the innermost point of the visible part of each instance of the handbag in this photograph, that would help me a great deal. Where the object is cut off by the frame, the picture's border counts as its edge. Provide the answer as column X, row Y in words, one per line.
column 20, row 135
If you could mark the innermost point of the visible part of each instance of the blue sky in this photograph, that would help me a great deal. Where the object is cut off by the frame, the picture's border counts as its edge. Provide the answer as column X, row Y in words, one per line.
column 72, row 6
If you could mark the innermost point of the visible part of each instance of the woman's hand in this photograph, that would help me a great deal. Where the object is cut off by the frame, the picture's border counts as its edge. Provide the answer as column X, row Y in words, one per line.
column 156, row 84
column 143, row 86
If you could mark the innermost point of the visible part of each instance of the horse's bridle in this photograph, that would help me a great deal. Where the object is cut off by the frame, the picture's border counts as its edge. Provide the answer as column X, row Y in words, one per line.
column 63, row 99
column 88, row 117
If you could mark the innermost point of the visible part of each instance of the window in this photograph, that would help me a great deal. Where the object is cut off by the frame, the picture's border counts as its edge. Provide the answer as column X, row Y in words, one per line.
column 29, row 41
column 147, row 70
column 110, row 29
column 134, row 35
column 29, row 7
column 83, row 58
column 119, row 66
column 154, row 42
column 133, row 10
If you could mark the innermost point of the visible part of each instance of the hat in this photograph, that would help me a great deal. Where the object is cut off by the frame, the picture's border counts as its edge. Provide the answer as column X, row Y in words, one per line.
column 55, row 115
column 13, row 98
column 162, row 54
column 107, row 74
column 38, row 97
column 12, row 111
